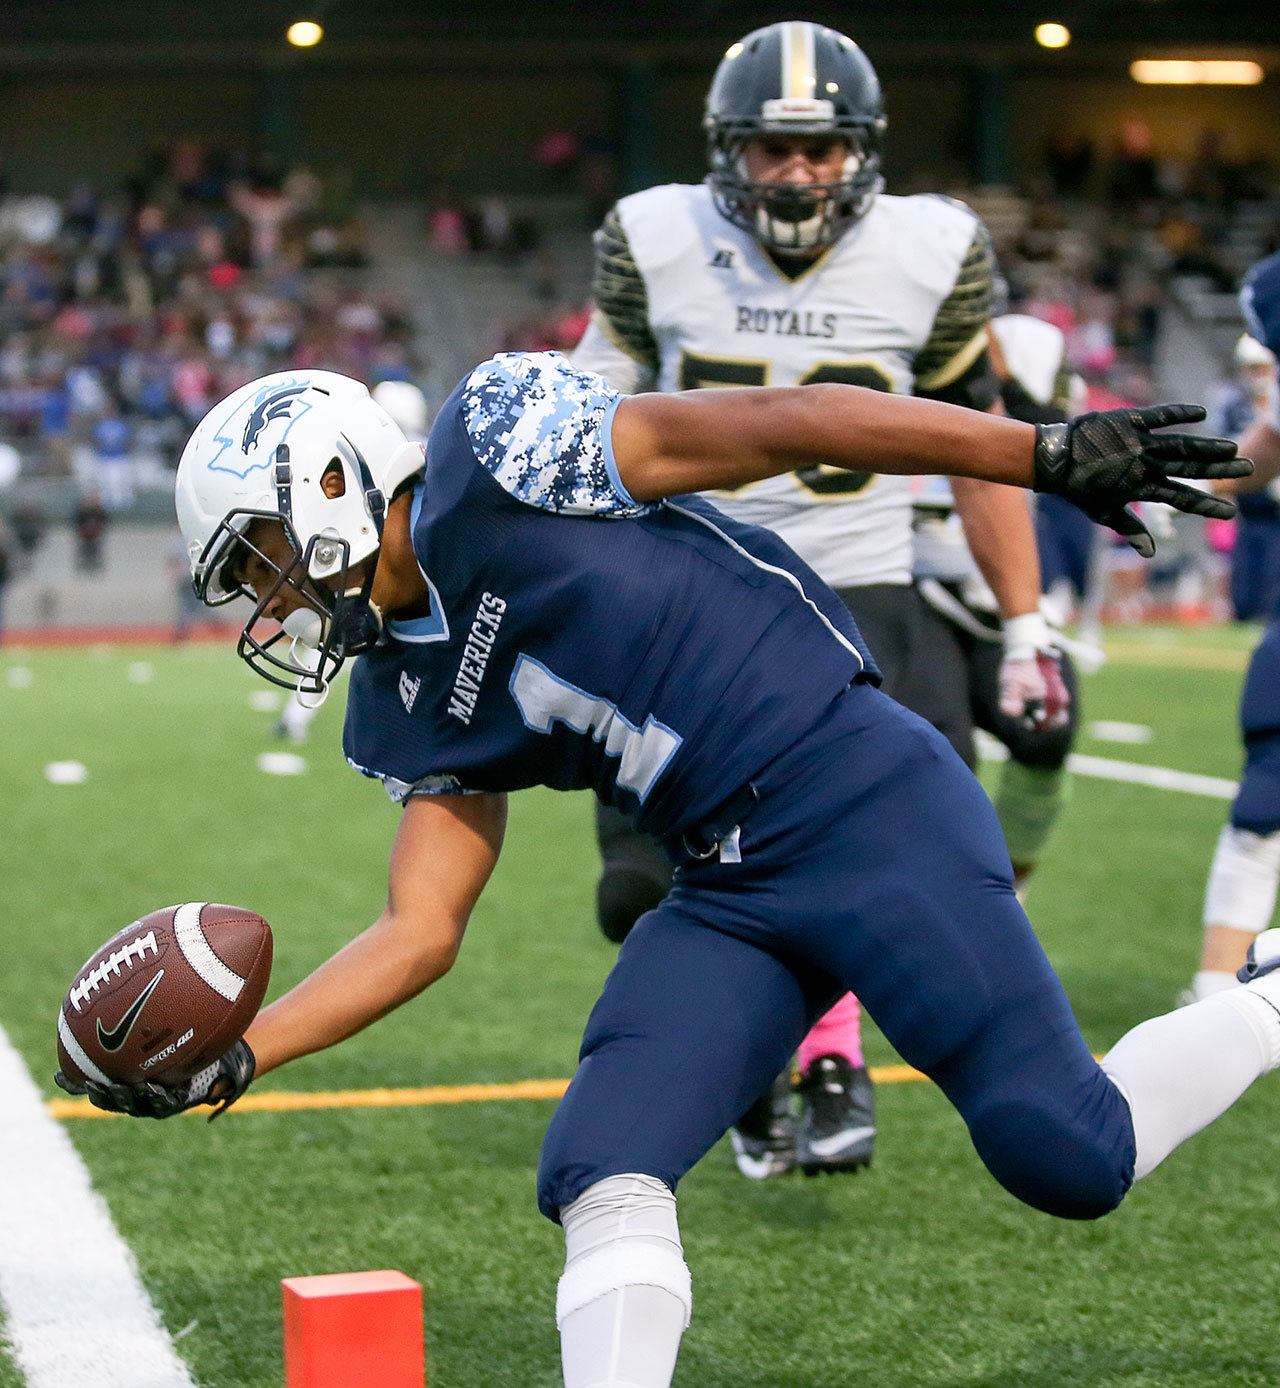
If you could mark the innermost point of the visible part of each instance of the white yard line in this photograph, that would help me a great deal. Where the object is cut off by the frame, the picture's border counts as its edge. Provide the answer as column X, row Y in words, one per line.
column 1131, row 772
column 1160, row 777
column 77, row 1313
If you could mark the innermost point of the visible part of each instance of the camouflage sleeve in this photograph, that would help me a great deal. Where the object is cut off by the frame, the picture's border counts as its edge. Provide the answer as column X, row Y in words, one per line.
column 544, row 431
column 620, row 294
column 959, row 336
column 401, row 792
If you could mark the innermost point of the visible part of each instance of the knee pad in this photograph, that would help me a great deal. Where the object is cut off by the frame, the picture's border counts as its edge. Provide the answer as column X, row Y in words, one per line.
column 622, row 1232
column 1241, row 892
column 623, row 895
column 1029, row 800
column 1055, row 1164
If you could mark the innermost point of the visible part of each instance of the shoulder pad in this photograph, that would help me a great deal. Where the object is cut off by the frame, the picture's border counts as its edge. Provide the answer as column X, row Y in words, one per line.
column 620, row 293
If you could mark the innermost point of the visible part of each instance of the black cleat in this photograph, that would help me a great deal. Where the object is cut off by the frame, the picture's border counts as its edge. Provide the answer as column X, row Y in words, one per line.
column 837, row 1117
column 764, row 1138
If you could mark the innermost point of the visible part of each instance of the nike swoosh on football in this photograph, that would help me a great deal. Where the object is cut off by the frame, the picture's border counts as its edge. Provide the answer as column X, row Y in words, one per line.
column 115, row 1038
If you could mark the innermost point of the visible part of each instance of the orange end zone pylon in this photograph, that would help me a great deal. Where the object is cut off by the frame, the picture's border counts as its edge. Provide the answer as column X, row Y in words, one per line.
column 353, row 1330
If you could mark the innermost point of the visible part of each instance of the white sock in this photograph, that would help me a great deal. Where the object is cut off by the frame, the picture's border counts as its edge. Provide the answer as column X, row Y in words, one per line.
column 1241, row 890
column 1210, row 981
column 624, row 1300
column 1181, row 1071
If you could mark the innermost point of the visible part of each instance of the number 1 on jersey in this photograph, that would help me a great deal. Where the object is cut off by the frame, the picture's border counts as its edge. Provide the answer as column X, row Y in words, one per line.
column 545, row 699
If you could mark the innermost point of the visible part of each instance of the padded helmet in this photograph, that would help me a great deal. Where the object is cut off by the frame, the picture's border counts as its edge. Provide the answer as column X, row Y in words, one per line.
column 1260, row 300
column 794, row 78
column 263, row 454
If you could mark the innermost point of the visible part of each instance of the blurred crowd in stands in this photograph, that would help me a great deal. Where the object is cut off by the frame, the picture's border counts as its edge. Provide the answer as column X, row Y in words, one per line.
column 124, row 316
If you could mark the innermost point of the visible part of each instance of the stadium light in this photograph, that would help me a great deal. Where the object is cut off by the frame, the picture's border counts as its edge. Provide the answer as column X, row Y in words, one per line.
column 304, row 33
column 1194, row 72
column 1053, row 35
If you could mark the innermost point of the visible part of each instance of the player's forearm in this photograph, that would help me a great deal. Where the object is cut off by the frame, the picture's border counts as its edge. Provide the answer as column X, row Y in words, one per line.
column 700, row 440
column 373, row 975
column 997, row 525
column 1261, row 442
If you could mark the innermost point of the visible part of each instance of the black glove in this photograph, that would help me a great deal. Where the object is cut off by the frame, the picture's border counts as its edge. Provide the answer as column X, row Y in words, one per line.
column 1102, row 461
column 221, row 1084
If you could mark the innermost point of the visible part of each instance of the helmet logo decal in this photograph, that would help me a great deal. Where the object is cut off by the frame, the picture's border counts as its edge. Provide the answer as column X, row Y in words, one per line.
column 276, row 406
column 273, row 402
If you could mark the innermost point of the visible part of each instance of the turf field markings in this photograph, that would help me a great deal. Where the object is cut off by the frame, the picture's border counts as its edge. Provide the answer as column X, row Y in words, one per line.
column 264, row 701
column 1109, row 730
column 286, row 1101
column 1158, row 777
column 1176, row 657
column 66, row 773
column 141, row 672
column 77, row 1313
column 282, row 764
column 19, row 677
column 1129, row 772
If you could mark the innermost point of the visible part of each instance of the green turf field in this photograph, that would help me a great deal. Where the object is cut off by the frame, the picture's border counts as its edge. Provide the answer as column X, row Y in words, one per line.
column 921, row 1272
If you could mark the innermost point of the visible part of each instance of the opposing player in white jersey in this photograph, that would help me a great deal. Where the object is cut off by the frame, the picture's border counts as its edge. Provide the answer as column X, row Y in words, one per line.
column 962, row 689
column 789, row 266
column 407, row 406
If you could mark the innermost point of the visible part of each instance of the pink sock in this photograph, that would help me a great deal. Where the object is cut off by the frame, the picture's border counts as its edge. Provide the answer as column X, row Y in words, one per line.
column 839, row 1032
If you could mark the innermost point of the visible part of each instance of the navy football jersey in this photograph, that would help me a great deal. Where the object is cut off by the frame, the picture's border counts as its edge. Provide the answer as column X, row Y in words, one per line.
column 657, row 653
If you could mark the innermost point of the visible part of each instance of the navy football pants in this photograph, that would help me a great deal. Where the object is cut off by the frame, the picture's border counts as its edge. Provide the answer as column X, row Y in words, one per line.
column 1257, row 803
column 874, row 863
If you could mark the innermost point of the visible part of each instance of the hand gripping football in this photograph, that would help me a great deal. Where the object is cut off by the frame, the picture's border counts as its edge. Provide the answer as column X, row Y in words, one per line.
column 166, row 996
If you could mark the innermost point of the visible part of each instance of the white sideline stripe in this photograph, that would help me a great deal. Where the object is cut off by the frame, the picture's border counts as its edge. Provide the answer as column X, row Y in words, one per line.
column 1132, row 772
column 199, row 954
column 78, row 1314
column 77, row 1052
column 1160, row 777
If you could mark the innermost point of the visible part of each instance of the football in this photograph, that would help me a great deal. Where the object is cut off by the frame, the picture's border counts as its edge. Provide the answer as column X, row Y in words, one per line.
column 166, row 996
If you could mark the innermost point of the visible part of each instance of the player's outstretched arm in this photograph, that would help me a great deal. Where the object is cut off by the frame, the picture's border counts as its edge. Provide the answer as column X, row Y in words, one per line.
column 444, row 852
column 665, row 445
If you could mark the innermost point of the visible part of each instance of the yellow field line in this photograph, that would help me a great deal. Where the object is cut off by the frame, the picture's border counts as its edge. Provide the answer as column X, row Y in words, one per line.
column 1172, row 656
column 286, row 1101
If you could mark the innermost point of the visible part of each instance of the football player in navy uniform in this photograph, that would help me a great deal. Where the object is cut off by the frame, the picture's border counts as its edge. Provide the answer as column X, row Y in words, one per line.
column 790, row 265
column 539, row 599
column 1240, row 896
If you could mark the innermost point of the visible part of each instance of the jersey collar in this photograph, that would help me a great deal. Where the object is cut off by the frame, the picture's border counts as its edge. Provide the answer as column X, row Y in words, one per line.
column 435, row 625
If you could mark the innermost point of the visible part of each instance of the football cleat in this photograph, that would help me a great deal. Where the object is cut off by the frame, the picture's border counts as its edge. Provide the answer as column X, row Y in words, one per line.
column 764, row 1138
column 1263, row 957
column 837, row 1117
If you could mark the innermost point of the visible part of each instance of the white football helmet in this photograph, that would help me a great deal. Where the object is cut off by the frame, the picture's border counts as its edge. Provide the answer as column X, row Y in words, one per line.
column 406, row 404
column 261, row 454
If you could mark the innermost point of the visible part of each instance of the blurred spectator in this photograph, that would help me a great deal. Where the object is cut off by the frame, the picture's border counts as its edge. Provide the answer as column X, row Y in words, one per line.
column 1133, row 176
column 1069, row 160
column 27, row 522
column 113, row 469
column 91, row 527
column 10, row 465
column 447, row 229
column 188, row 609
column 1255, row 557
column 124, row 317
column 8, row 564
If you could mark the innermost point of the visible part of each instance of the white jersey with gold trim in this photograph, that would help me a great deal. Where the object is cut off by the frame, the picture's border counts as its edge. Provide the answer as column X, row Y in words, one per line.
column 693, row 301
column 1034, row 354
